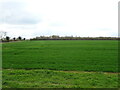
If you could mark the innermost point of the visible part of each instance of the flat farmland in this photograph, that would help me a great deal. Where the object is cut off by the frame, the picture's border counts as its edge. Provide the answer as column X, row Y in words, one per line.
column 61, row 56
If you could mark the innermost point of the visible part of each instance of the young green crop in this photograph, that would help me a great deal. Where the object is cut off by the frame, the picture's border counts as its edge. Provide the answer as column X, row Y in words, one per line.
column 69, row 55
column 60, row 64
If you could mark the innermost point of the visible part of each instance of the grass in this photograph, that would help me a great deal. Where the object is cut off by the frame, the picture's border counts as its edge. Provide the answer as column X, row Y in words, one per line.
column 57, row 79
column 62, row 55
column 61, row 64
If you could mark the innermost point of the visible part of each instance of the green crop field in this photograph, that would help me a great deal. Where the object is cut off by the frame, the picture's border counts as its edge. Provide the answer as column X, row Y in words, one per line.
column 73, row 64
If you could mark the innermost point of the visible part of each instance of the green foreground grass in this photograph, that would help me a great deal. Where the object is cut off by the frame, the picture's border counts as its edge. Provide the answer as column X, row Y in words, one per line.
column 61, row 64
column 58, row 79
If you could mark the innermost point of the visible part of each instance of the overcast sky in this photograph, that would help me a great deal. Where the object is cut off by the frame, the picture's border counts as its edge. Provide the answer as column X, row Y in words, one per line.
column 31, row 18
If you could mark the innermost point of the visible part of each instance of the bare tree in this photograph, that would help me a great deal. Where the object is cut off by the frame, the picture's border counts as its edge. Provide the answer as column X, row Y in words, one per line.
column 2, row 35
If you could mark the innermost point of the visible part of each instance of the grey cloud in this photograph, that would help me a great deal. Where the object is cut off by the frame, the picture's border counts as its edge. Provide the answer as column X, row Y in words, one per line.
column 14, row 13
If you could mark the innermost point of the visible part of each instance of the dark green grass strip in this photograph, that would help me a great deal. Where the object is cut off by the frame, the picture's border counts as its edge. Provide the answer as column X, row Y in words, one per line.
column 81, row 55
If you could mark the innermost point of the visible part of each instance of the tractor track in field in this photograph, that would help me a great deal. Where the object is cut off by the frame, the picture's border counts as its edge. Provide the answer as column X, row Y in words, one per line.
column 65, row 71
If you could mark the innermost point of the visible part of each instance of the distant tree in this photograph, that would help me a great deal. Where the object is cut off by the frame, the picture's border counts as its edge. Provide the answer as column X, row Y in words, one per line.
column 2, row 35
column 19, row 38
column 55, row 36
column 14, row 38
column 7, row 38
column 23, row 38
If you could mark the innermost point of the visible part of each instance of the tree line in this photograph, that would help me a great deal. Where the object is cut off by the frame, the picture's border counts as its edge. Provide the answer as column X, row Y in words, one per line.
column 8, row 39
column 5, row 38
column 57, row 37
